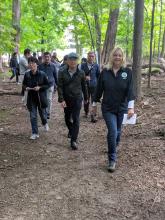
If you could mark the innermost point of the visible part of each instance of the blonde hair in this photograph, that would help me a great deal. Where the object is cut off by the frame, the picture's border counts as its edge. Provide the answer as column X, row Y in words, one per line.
column 110, row 63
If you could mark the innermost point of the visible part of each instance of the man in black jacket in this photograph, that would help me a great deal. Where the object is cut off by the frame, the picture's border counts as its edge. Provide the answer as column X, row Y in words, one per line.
column 36, row 83
column 71, row 85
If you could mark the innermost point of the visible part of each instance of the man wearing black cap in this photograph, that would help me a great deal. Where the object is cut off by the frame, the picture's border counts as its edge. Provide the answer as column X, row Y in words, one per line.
column 71, row 85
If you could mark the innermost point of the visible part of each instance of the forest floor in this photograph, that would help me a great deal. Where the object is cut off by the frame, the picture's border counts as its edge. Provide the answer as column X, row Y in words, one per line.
column 46, row 180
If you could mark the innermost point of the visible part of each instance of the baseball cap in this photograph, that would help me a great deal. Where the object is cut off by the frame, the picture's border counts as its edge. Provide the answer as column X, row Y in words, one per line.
column 72, row 55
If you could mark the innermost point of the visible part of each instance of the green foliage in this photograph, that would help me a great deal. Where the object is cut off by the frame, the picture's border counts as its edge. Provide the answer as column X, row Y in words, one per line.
column 125, row 27
column 6, row 30
column 43, row 23
column 147, row 26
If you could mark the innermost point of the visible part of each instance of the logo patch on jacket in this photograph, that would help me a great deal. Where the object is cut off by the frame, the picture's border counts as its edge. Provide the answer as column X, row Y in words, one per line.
column 124, row 75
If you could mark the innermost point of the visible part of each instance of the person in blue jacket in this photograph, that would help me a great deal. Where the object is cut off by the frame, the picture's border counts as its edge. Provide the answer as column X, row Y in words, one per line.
column 50, row 70
column 92, row 73
column 116, row 85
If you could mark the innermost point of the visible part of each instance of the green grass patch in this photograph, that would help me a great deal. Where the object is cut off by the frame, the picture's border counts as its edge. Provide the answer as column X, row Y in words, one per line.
column 4, row 113
column 154, row 70
column 5, row 74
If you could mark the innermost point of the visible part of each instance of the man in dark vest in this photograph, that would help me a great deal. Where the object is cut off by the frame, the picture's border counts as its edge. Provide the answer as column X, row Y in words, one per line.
column 92, row 73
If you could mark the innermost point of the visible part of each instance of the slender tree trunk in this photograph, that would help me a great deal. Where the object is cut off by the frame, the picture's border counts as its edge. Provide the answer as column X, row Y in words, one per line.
column 154, row 49
column 98, row 37
column 78, row 46
column 128, row 30
column 160, row 27
column 151, row 41
column 163, row 45
column 88, row 23
column 16, row 16
column 110, row 36
column 1, row 67
column 137, row 46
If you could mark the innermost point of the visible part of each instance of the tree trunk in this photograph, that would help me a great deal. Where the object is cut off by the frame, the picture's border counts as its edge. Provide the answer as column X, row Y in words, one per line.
column 163, row 45
column 110, row 36
column 98, row 37
column 78, row 46
column 1, row 67
column 160, row 27
column 88, row 23
column 128, row 30
column 154, row 49
column 137, row 46
column 16, row 15
column 151, row 41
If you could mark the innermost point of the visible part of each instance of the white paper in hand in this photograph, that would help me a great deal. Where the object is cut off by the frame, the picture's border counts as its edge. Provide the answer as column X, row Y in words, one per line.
column 129, row 121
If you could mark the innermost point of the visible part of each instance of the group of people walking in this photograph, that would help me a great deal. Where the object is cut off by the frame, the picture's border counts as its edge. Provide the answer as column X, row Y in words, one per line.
column 81, row 83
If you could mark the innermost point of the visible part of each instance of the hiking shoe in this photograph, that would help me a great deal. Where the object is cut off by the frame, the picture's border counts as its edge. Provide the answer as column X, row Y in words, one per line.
column 46, row 127
column 73, row 145
column 93, row 119
column 112, row 166
column 34, row 136
column 86, row 115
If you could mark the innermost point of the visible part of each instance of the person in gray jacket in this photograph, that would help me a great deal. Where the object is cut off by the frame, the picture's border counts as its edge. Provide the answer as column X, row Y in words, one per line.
column 23, row 67
column 23, row 64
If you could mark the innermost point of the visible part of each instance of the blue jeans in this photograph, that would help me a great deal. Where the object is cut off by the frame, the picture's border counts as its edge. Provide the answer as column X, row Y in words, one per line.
column 33, row 117
column 113, row 123
column 72, row 117
column 14, row 73
column 50, row 92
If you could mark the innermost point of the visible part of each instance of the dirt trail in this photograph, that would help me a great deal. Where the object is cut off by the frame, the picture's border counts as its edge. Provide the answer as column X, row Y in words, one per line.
column 45, row 180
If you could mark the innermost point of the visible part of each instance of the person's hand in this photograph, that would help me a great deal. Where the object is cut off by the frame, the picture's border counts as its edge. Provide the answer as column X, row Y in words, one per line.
column 130, row 112
column 55, row 89
column 86, row 102
column 63, row 104
column 88, row 78
column 37, row 88
column 28, row 88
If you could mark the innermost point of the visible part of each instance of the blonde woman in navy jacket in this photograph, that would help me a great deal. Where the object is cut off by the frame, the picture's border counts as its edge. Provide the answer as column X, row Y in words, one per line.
column 116, row 85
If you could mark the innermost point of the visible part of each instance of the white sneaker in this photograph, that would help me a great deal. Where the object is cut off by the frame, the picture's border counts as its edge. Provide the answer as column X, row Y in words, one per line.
column 34, row 136
column 46, row 127
column 23, row 99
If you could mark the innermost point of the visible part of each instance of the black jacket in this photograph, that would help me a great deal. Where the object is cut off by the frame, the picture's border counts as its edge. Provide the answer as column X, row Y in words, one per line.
column 71, row 87
column 117, row 90
column 14, row 63
column 37, row 97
